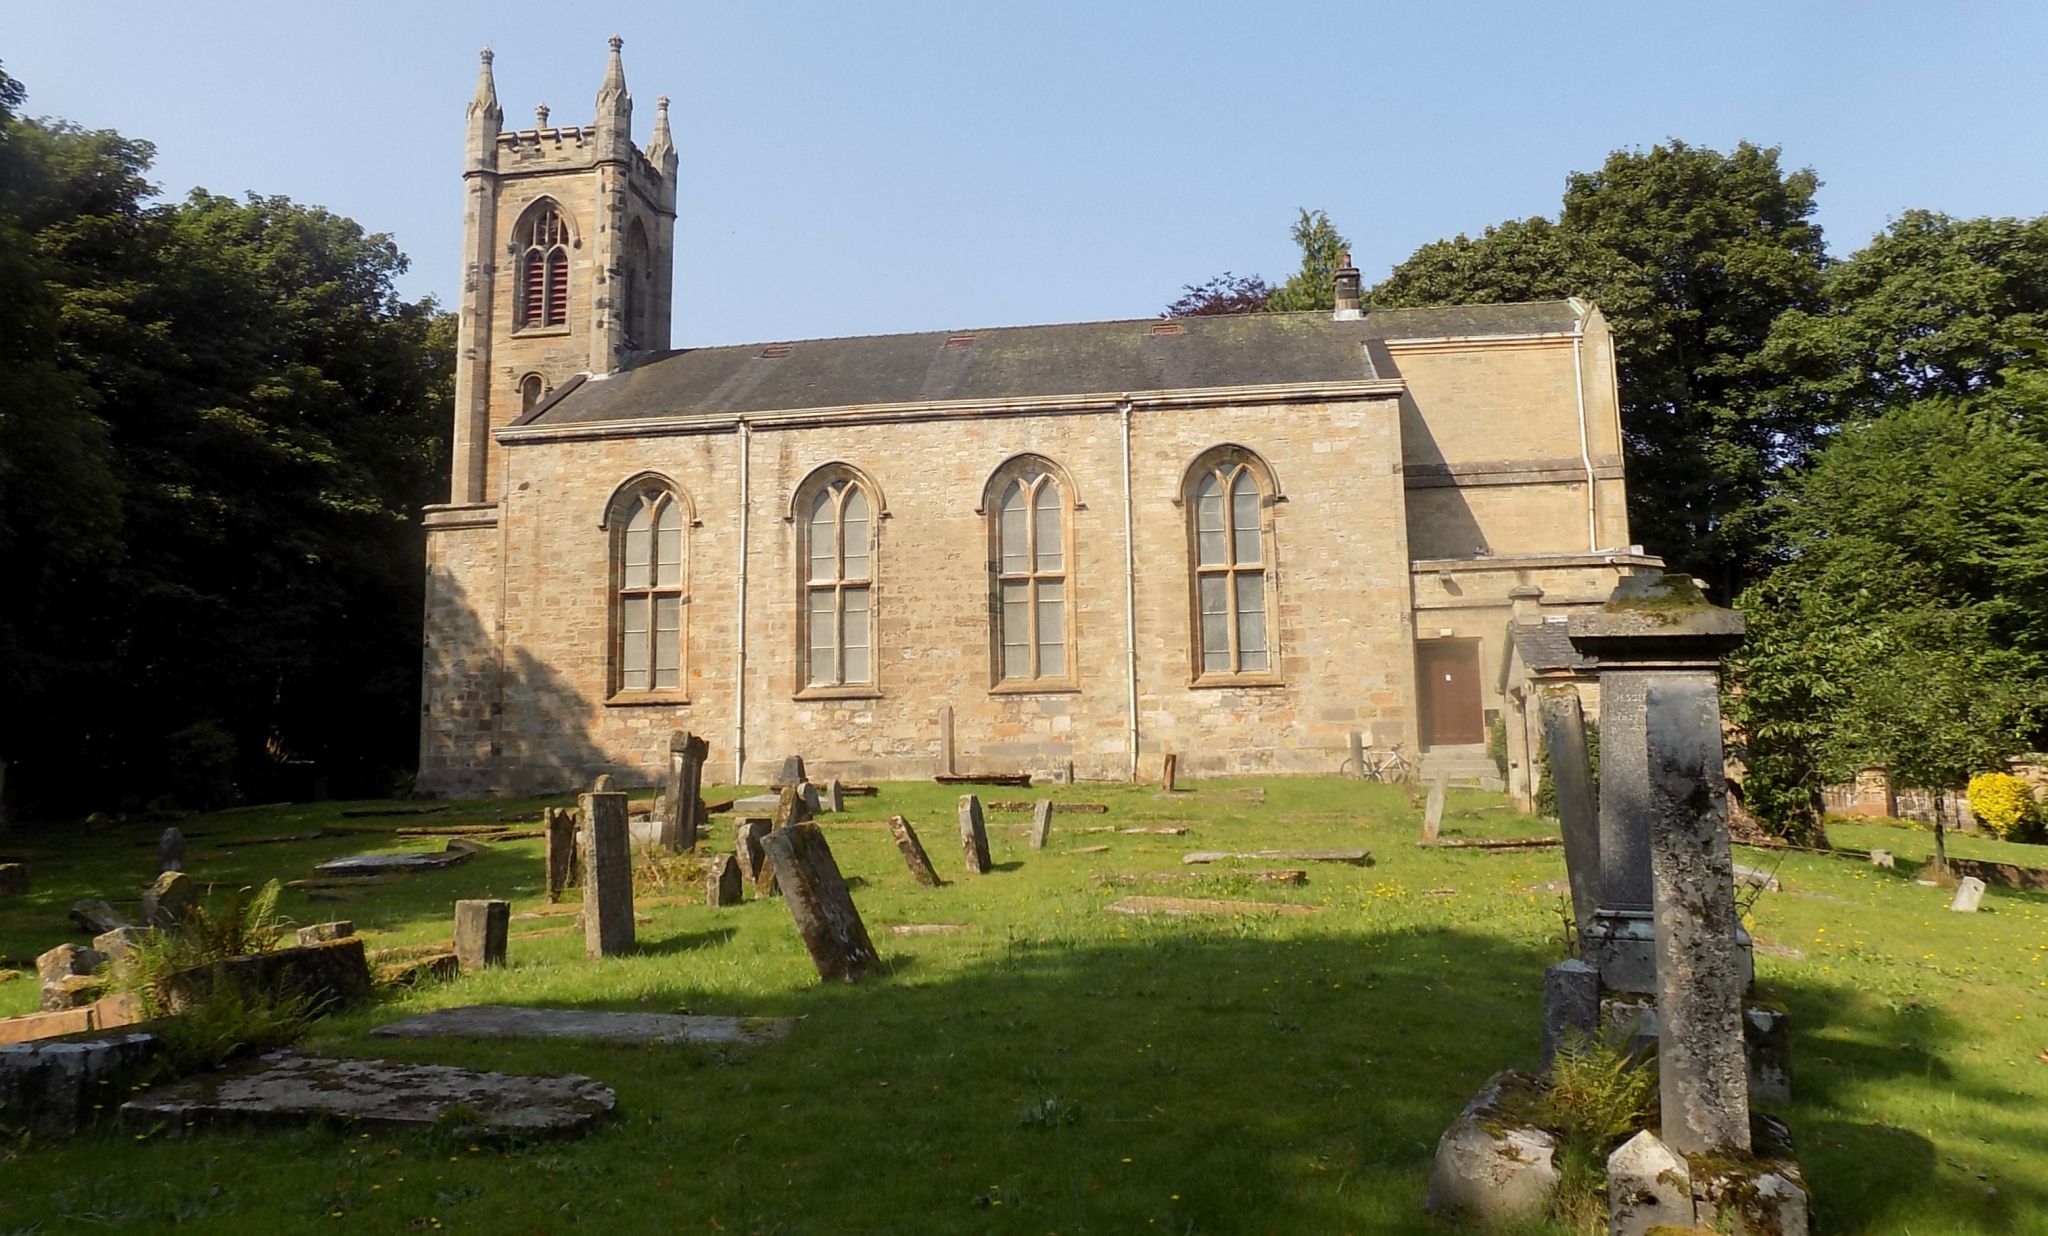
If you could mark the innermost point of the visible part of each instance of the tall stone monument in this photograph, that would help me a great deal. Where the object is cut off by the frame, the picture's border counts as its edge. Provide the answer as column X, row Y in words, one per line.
column 683, row 794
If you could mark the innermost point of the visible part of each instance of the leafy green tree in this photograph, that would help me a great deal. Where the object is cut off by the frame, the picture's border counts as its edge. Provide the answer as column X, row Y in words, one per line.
column 1693, row 255
column 1908, row 624
column 1323, row 249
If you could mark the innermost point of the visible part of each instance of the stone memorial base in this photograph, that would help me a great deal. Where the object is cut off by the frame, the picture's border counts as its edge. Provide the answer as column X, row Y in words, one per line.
column 1651, row 1188
column 54, row 1087
column 1491, row 1167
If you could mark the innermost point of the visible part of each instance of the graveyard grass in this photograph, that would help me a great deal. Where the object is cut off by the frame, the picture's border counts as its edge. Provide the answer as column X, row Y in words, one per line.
column 1054, row 1068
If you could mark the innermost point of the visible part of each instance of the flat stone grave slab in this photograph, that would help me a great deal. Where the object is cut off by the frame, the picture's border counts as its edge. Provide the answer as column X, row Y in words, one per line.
column 398, row 861
column 927, row 929
column 1491, row 843
column 1291, row 875
column 289, row 1090
column 757, row 804
column 1181, row 907
column 1358, row 858
column 511, row 1021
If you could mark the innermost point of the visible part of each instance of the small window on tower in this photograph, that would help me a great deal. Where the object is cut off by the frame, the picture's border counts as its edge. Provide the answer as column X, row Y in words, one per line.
column 532, row 389
column 543, row 269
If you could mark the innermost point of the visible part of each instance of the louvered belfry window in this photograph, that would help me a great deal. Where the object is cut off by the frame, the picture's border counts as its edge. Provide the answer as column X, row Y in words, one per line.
column 544, row 271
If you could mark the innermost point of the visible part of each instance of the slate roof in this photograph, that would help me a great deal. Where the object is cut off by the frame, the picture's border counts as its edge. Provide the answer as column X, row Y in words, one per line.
column 1547, row 646
column 1021, row 362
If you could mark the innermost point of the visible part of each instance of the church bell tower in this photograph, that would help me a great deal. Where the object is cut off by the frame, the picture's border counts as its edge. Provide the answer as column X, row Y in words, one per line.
column 567, row 256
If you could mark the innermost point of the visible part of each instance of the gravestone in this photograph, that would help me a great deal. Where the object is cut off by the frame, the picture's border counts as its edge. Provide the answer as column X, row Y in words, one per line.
column 481, row 929
column 561, row 855
column 683, row 796
column 792, row 773
column 167, row 901
column 607, row 876
column 814, row 802
column 65, row 973
column 746, row 845
column 1571, row 1001
column 946, row 768
column 1041, row 823
column 913, row 853
column 974, row 835
column 94, row 916
column 1433, row 810
column 1067, row 773
column 13, row 879
column 603, row 784
column 816, row 894
column 170, row 851
column 722, row 885
column 1661, row 764
column 321, row 933
column 1578, row 813
column 1882, row 858
column 835, row 796
column 1969, row 895
column 1169, row 779
column 1648, row 1187
column 791, row 807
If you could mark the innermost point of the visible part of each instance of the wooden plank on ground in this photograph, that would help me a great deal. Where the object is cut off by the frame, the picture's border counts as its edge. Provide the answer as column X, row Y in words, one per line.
column 1017, row 780
column 1491, row 843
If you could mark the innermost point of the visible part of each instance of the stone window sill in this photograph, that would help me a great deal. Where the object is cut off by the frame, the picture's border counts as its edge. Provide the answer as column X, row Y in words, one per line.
column 540, row 332
column 1205, row 682
column 648, row 699
column 852, row 691
column 1036, row 686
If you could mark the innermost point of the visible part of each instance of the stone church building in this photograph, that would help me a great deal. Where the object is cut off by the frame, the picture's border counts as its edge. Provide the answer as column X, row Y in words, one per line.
column 1243, row 540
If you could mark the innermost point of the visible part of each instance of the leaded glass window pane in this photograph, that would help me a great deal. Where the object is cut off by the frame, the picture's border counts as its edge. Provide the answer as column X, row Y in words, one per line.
column 1251, row 621
column 1049, row 549
column 1016, row 629
column 639, row 547
column 855, row 520
column 824, row 632
column 633, row 667
column 1016, row 553
column 1209, row 521
column 824, row 539
column 1052, row 629
column 1244, row 518
column 668, row 547
column 1215, row 624
column 668, row 651
column 855, row 661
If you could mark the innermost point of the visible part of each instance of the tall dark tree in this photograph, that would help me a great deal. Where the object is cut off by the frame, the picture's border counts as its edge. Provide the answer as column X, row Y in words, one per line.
column 1693, row 255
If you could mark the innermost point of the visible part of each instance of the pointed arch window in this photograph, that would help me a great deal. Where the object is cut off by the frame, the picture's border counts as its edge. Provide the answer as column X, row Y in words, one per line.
column 837, row 614
column 1029, row 518
column 544, row 269
column 650, row 576
column 1228, row 496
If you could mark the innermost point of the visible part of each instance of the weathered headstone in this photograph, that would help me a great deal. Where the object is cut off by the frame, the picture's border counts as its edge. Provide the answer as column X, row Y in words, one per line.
column 170, row 850
column 1969, row 895
column 1433, row 810
column 814, row 802
column 818, row 901
column 603, row 784
column 683, row 796
column 791, row 807
column 835, row 796
column 1169, row 779
column 792, row 773
column 119, row 944
column 1648, row 1187
column 1571, row 1001
column 1883, row 858
column 913, row 853
column 561, row 841
column 1041, row 823
column 481, row 930
column 1659, row 643
column 13, row 879
column 167, row 901
column 66, row 976
column 321, row 933
column 746, row 845
column 1578, row 813
column 974, row 836
column 1067, row 773
column 722, row 886
column 95, row 916
column 607, row 876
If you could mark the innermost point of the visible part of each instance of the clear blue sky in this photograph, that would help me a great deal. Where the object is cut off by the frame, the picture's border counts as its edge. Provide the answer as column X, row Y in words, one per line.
column 868, row 167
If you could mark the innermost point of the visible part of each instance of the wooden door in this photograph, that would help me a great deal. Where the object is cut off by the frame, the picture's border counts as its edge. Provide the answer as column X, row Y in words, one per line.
column 1447, row 681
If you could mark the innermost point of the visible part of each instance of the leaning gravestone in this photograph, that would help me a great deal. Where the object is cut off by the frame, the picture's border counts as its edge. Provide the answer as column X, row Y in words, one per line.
column 791, row 807
column 561, row 840
column 814, row 802
column 682, row 808
column 792, row 773
column 818, row 901
column 170, row 851
column 481, row 930
column 974, row 836
column 1969, row 895
column 746, row 846
column 1041, row 823
column 835, row 796
column 1578, row 812
column 168, row 900
column 13, row 879
column 913, row 852
column 1433, row 811
column 95, row 916
column 607, row 876
column 722, row 885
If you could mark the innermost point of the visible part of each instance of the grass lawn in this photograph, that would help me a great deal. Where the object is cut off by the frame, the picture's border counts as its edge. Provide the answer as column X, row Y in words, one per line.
column 1058, row 1069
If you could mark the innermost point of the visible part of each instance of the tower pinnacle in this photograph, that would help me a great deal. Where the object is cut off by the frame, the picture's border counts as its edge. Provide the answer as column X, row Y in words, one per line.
column 662, row 149
column 485, row 103
column 613, row 92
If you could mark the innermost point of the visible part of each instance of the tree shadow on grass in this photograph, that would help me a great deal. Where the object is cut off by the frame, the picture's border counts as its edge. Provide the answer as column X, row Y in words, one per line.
column 684, row 942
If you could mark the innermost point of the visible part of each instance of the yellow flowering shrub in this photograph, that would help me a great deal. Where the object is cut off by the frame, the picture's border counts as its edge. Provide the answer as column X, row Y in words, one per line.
column 2004, row 805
